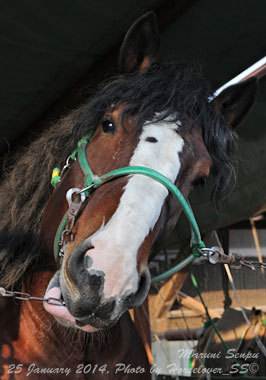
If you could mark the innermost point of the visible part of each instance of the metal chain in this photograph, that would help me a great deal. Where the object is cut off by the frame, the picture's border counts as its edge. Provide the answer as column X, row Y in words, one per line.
column 216, row 255
column 253, row 265
column 27, row 297
column 73, row 210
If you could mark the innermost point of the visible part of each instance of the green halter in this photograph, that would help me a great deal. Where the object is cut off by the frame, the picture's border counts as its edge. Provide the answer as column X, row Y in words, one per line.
column 93, row 181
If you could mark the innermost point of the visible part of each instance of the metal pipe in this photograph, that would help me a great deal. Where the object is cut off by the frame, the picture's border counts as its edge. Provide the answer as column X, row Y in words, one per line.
column 258, row 69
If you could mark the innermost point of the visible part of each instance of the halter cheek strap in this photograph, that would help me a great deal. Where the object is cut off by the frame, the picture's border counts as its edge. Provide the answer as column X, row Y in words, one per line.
column 92, row 182
column 56, row 175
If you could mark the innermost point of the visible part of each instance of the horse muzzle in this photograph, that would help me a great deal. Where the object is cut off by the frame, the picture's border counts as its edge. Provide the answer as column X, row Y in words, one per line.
column 86, row 305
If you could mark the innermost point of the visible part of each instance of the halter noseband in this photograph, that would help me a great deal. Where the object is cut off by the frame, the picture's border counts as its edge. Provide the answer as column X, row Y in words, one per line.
column 92, row 182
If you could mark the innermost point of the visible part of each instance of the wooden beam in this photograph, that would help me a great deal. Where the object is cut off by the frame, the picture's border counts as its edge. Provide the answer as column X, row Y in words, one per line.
column 181, row 334
column 194, row 305
column 142, row 323
column 160, row 303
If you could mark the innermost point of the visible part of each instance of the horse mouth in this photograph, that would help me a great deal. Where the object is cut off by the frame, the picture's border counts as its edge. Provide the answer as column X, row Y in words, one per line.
column 62, row 314
column 95, row 322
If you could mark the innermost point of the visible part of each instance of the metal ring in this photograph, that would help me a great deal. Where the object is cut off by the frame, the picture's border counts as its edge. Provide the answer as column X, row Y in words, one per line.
column 75, row 190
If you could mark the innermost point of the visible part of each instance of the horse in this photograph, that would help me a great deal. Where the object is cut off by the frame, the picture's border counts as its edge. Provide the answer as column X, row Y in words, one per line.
column 83, row 251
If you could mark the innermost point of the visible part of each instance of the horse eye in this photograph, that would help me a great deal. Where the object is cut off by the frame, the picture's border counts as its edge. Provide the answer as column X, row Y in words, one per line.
column 199, row 181
column 108, row 126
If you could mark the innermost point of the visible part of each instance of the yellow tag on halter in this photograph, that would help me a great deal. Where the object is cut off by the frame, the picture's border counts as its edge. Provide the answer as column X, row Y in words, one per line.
column 55, row 177
column 56, row 172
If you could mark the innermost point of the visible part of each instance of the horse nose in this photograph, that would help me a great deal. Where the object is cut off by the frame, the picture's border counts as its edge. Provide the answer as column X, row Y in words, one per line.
column 90, row 286
column 90, row 307
column 136, row 299
column 78, row 265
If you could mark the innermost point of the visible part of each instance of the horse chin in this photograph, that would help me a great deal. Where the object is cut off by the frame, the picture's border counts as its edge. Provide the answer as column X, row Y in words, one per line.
column 61, row 313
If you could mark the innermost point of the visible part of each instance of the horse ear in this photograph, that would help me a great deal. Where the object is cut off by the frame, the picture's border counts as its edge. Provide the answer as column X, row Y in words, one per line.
column 236, row 101
column 140, row 44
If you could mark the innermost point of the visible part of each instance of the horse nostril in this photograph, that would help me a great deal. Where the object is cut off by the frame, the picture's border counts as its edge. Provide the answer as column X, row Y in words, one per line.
column 77, row 256
column 137, row 298
column 88, row 262
column 79, row 262
column 87, row 244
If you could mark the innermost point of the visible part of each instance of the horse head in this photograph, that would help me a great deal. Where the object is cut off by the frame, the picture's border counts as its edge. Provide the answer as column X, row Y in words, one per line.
column 153, row 115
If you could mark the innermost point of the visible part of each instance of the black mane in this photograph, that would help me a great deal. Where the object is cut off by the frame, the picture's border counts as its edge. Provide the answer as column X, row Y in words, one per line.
column 166, row 89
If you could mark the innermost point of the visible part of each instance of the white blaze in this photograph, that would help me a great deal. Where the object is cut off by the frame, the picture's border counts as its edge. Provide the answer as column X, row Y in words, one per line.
column 116, row 244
